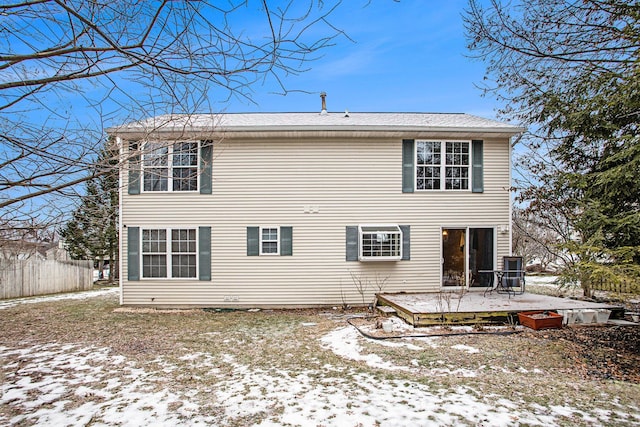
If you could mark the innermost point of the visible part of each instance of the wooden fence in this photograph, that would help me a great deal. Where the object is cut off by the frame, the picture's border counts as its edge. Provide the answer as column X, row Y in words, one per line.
column 624, row 287
column 31, row 277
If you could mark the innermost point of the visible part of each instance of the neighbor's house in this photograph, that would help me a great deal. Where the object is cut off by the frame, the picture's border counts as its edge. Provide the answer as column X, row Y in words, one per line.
column 305, row 209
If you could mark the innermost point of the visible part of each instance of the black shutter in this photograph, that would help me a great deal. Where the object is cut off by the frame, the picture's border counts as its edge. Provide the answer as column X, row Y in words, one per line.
column 253, row 241
column 134, row 169
column 204, row 253
column 133, row 253
column 206, row 167
column 408, row 167
column 477, row 173
column 352, row 246
column 406, row 242
column 286, row 241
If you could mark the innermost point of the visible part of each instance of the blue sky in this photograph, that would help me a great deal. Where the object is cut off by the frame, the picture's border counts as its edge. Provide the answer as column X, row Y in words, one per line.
column 399, row 56
column 405, row 56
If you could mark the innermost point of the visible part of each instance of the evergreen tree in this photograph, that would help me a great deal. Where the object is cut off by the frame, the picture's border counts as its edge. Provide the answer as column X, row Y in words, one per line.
column 92, row 232
column 570, row 71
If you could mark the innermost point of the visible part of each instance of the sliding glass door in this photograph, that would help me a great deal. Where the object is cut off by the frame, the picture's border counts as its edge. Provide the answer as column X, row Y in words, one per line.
column 481, row 256
column 466, row 252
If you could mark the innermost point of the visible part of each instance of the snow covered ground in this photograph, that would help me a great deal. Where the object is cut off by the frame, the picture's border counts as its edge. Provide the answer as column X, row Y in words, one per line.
column 113, row 391
column 71, row 385
column 4, row 304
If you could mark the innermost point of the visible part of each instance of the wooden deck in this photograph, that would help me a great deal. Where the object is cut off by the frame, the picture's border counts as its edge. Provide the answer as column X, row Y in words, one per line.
column 427, row 309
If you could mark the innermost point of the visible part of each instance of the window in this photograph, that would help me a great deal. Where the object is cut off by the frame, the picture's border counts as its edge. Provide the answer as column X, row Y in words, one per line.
column 156, row 167
column 428, row 160
column 268, row 241
column 170, row 167
column 169, row 253
column 457, row 166
column 380, row 242
column 185, row 166
column 183, row 253
column 437, row 172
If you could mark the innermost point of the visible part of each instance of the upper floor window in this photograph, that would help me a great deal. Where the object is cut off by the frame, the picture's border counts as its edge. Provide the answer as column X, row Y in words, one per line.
column 442, row 165
column 170, row 166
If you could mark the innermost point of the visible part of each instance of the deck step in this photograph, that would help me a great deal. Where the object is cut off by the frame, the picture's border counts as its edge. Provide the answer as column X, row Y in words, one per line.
column 386, row 310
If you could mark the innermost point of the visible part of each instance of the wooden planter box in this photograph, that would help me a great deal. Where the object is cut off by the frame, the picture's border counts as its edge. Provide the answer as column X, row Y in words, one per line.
column 540, row 319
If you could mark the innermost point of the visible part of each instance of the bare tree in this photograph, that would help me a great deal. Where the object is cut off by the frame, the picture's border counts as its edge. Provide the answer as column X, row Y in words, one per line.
column 536, row 241
column 69, row 67
column 22, row 240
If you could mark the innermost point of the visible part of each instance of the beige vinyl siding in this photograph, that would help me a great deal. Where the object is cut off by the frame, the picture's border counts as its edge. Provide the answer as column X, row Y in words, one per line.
column 318, row 187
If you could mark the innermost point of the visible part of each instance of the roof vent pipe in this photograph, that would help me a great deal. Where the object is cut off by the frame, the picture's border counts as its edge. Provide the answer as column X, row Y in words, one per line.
column 323, row 96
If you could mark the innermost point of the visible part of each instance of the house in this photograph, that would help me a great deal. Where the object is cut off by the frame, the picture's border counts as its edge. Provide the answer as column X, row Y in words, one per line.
column 22, row 249
column 310, row 209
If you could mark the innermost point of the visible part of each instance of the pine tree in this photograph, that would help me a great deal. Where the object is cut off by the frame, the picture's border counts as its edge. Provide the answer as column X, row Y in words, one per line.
column 570, row 71
column 92, row 232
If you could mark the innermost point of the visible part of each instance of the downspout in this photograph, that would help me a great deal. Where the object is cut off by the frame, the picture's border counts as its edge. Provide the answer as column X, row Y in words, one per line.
column 120, row 230
column 510, row 201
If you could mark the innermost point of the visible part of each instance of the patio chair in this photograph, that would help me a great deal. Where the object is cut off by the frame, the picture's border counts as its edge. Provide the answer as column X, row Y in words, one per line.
column 513, row 279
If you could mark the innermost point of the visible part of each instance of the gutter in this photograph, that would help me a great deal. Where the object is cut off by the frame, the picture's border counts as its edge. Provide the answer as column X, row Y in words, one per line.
column 238, row 132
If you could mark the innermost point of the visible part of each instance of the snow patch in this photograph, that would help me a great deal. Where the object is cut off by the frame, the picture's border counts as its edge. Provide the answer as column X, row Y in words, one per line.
column 468, row 349
column 59, row 297
column 50, row 377
column 344, row 343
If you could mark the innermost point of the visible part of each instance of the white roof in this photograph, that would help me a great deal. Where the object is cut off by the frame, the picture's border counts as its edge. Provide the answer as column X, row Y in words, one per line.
column 254, row 124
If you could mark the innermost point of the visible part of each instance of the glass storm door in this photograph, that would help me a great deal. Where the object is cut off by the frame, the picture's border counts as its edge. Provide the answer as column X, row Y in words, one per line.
column 481, row 256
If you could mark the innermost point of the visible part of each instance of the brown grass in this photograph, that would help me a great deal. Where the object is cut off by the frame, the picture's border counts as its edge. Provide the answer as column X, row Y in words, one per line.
column 532, row 367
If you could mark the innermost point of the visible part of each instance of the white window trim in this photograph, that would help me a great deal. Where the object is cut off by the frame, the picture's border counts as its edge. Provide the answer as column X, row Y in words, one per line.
column 277, row 241
column 169, row 145
column 168, row 253
column 443, row 165
column 382, row 227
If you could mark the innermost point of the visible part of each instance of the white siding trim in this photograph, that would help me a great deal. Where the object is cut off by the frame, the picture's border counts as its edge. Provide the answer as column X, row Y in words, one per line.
column 121, row 180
